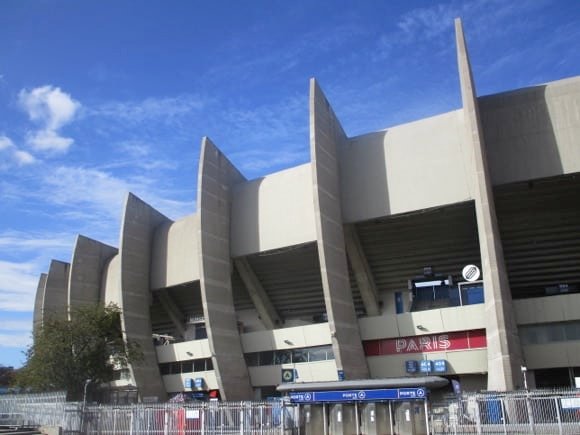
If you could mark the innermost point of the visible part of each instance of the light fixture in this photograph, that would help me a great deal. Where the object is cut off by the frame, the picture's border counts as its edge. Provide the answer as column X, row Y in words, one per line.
column 421, row 328
column 189, row 353
column 288, row 342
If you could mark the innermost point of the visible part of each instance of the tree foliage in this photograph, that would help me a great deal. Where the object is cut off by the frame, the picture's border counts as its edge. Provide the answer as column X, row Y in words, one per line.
column 66, row 353
column 7, row 374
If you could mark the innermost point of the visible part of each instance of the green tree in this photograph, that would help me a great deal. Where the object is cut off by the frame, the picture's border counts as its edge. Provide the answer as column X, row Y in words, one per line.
column 66, row 353
column 7, row 374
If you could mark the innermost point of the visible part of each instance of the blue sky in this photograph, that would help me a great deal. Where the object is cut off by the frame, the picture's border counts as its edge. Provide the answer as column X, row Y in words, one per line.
column 98, row 98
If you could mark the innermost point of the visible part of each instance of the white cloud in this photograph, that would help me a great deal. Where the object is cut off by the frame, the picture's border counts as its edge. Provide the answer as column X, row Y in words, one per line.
column 49, row 106
column 159, row 109
column 14, row 155
column 14, row 325
column 49, row 140
column 52, row 109
column 18, row 285
column 18, row 241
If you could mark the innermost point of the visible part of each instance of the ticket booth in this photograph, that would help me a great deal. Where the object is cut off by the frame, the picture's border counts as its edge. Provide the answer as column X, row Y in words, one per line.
column 340, row 408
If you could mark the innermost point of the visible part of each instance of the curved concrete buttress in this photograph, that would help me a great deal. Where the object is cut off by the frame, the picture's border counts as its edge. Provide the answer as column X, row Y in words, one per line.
column 504, row 357
column 326, row 134
column 38, row 300
column 54, row 302
column 216, row 177
column 86, row 271
column 139, row 223
column 110, row 291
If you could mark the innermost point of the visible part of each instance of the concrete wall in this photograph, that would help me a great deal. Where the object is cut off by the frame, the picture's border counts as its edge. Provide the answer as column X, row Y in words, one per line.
column 181, row 351
column 86, row 271
column 318, row 371
column 56, row 290
column 561, row 308
column 174, row 257
column 469, row 361
column 464, row 318
column 533, row 132
column 550, row 355
column 139, row 223
column 216, row 177
column 326, row 136
column 409, row 167
column 273, row 212
column 298, row 337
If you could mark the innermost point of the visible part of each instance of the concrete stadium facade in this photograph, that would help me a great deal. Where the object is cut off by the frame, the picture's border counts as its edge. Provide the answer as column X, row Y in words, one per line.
column 351, row 265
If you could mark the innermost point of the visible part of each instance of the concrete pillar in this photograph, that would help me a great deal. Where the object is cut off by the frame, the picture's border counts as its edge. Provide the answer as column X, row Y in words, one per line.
column 268, row 314
column 503, row 347
column 326, row 135
column 86, row 271
column 38, row 301
column 362, row 271
column 216, row 177
column 55, row 290
column 139, row 223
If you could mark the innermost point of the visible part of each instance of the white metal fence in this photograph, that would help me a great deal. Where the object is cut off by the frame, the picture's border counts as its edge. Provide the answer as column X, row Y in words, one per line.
column 536, row 412
column 192, row 418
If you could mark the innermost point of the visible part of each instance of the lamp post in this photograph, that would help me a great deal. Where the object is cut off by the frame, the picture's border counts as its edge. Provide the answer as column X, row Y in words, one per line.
column 87, row 382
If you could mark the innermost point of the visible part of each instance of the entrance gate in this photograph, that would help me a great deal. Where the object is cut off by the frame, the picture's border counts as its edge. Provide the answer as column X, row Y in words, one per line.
column 370, row 412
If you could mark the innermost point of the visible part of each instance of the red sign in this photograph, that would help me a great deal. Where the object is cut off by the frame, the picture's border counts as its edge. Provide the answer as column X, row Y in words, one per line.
column 427, row 343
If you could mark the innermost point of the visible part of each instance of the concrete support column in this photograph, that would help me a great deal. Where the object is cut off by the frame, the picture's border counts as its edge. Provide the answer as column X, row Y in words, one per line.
column 268, row 314
column 326, row 135
column 503, row 347
column 139, row 223
column 54, row 302
column 362, row 271
column 38, row 301
column 216, row 177
column 86, row 271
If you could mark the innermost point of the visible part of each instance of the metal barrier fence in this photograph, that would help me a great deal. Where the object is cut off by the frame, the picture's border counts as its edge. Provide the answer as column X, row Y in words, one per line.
column 534, row 412
column 192, row 418
column 46, row 409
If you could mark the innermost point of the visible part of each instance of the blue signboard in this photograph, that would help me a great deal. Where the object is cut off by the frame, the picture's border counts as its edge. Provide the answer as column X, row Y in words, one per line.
column 341, row 375
column 440, row 366
column 189, row 383
column 357, row 395
column 411, row 366
column 198, row 382
column 426, row 366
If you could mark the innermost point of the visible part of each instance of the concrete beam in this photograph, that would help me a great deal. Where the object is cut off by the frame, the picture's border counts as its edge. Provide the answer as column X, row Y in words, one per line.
column 362, row 271
column 216, row 177
column 264, row 306
column 86, row 271
column 172, row 311
column 326, row 135
column 138, row 226
column 503, row 346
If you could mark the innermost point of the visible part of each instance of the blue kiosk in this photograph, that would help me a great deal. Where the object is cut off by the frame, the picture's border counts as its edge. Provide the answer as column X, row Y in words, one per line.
column 368, row 406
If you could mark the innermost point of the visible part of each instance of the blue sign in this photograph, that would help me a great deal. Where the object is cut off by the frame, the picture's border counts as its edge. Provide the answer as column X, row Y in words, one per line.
column 440, row 366
column 189, row 383
column 411, row 366
column 426, row 366
column 357, row 395
column 198, row 382
column 341, row 375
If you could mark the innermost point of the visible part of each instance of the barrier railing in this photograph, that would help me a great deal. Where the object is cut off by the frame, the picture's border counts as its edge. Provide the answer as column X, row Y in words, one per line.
column 533, row 412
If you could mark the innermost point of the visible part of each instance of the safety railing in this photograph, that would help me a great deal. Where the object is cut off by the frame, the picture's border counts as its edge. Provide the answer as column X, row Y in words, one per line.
column 533, row 412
